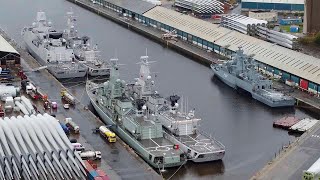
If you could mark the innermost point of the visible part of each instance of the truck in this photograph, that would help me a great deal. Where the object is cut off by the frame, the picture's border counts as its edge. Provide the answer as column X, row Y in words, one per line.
column 313, row 173
column 64, row 127
column 94, row 155
column 65, row 95
column 30, row 89
column 109, row 135
column 72, row 125
column 78, row 146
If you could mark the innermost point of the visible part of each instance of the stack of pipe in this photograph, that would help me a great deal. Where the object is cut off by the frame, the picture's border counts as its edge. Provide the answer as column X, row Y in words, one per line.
column 283, row 39
column 240, row 23
column 201, row 6
column 35, row 147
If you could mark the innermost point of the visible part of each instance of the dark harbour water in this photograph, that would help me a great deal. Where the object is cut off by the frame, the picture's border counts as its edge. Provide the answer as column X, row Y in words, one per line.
column 243, row 125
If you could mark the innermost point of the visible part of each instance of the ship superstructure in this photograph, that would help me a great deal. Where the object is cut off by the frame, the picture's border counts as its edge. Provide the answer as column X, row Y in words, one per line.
column 240, row 72
column 85, row 53
column 182, row 127
column 49, row 48
column 132, row 122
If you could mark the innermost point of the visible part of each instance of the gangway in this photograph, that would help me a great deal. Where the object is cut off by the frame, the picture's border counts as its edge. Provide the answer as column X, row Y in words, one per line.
column 39, row 68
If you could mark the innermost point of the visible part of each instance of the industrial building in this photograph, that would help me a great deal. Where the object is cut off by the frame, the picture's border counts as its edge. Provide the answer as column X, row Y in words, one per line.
column 289, row 65
column 8, row 55
column 311, row 17
column 35, row 147
column 276, row 5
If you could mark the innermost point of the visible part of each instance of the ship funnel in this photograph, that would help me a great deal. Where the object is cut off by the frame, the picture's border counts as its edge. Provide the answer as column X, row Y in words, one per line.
column 141, row 107
column 174, row 103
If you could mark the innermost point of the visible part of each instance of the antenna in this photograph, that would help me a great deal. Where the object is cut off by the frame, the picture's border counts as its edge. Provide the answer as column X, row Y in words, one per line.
column 146, row 51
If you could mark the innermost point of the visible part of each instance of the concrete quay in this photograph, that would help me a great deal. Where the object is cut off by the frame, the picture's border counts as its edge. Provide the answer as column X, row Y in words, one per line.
column 119, row 161
column 290, row 163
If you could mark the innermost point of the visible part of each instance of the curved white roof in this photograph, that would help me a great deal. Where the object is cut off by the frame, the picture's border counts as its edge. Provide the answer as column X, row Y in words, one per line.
column 37, row 140
column 6, row 47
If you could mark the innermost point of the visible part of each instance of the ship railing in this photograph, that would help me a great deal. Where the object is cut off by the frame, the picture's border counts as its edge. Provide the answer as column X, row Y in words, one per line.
column 212, row 138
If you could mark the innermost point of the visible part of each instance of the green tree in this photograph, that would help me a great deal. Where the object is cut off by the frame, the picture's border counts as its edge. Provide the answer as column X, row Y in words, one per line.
column 317, row 38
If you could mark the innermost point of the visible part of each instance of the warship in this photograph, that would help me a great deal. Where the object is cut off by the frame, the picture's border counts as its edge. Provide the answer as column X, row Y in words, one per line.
column 86, row 54
column 181, row 126
column 50, row 49
column 240, row 72
column 131, row 121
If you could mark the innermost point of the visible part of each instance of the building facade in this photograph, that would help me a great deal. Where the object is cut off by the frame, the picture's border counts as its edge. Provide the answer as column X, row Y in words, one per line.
column 276, row 5
column 8, row 55
column 311, row 17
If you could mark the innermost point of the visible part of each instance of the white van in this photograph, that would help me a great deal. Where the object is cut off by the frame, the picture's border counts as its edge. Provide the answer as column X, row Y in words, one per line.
column 78, row 146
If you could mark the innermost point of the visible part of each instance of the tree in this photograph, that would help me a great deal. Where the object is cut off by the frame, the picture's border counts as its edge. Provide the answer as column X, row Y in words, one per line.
column 317, row 38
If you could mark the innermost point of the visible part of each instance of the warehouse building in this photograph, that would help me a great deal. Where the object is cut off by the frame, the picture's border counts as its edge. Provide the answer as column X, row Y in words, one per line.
column 8, row 55
column 277, row 5
column 274, row 60
column 311, row 18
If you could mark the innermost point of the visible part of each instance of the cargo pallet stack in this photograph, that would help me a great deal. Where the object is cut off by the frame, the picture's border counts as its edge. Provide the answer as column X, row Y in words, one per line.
column 94, row 173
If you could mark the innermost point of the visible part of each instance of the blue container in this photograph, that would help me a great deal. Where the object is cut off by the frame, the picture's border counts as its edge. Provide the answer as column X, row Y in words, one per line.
column 294, row 29
column 92, row 174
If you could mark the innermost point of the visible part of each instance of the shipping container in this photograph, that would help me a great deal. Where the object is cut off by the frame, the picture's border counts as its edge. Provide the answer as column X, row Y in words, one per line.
column 92, row 174
column 101, row 172
column 98, row 178
column 304, row 84
column 88, row 166
column 294, row 29
column 105, row 178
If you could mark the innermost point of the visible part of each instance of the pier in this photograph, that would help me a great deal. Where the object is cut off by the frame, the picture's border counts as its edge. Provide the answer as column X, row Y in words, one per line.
column 119, row 161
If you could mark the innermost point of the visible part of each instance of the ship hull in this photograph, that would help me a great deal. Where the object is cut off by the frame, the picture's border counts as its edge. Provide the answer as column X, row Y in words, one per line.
column 98, row 72
column 126, row 137
column 59, row 73
column 235, row 83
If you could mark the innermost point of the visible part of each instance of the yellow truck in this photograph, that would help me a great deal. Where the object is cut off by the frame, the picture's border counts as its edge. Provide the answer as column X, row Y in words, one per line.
column 109, row 135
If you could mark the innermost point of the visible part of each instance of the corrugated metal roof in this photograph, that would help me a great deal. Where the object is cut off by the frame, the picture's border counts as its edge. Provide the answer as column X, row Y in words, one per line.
column 186, row 23
column 296, row 63
column 277, row 1
column 5, row 46
column 137, row 6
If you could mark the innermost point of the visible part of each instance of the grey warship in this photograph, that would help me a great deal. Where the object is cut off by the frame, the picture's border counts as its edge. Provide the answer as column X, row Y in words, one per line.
column 240, row 72
column 86, row 54
column 130, row 120
column 181, row 125
column 49, row 48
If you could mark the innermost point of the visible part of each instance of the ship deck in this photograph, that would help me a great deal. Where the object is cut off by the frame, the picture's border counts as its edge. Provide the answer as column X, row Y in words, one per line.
column 201, row 144
column 160, row 147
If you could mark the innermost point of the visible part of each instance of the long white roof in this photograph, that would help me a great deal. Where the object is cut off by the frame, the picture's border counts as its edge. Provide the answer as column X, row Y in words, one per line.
column 294, row 62
column 6, row 47
column 277, row 1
